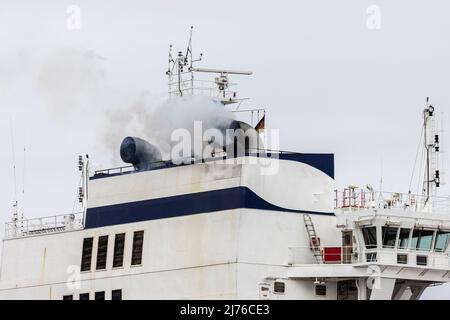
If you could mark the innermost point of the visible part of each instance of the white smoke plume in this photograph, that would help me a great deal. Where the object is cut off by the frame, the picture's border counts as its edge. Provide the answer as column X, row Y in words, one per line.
column 156, row 120
column 71, row 85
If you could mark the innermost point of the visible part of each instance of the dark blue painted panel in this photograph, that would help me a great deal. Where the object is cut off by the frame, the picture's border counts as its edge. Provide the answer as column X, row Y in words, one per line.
column 181, row 205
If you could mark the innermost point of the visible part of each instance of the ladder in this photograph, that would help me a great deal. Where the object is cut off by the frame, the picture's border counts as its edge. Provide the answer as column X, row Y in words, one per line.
column 313, row 239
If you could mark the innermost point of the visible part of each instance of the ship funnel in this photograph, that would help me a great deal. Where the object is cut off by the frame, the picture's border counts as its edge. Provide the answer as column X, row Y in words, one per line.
column 140, row 153
column 246, row 139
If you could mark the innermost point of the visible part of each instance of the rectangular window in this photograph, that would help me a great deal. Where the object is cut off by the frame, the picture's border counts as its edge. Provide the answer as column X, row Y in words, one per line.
column 421, row 260
column 138, row 241
column 347, row 290
column 119, row 246
column 86, row 256
column 442, row 239
column 389, row 236
column 425, row 240
column 116, row 294
column 84, row 296
column 422, row 239
column 415, row 238
column 371, row 257
column 402, row 258
column 370, row 237
column 100, row 295
column 321, row 290
column 68, row 297
column 403, row 238
column 279, row 287
column 102, row 251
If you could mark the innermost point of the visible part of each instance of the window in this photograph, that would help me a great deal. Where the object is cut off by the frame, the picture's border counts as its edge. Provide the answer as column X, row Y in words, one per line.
column 371, row 257
column 425, row 240
column 138, row 240
column 116, row 294
column 68, row 297
column 442, row 239
column 389, row 236
column 100, row 295
column 102, row 252
column 403, row 238
column 347, row 290
column 421, row 260
column 402, row 258
column 422, row 239
column 86, row 254
column 370, row 237
column 119, row 245
column 321, row 290
column 84, row 296
column 279, row 287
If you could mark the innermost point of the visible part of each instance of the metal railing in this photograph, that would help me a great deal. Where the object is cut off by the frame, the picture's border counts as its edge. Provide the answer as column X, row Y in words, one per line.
column 252, row 152
column 116, row 170
column 357, row 199
column 44, row 225
column 363, row 255
column 201, row 87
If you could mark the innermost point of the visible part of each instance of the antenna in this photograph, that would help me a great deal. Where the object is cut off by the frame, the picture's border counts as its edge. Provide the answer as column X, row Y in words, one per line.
column 23, row 184
column 381, row 173
column 181, row 68
column 15, row 203
column 82, row 195
column 431, row 175
column 443, row 164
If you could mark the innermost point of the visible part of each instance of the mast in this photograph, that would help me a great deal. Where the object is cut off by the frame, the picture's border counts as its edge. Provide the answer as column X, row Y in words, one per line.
column 431, row 180
column 182, row 81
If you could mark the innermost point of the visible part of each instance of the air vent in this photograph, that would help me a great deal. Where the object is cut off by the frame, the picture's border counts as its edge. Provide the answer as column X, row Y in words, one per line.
column 86, row 254
column 421, row 260
column 402, row 258
column 279, row 287
column 321, row 290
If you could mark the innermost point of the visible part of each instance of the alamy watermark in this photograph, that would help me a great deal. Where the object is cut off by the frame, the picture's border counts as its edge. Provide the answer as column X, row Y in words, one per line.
column 373, row 21
column 225, row 146
column 73, row 21
column 73, row 281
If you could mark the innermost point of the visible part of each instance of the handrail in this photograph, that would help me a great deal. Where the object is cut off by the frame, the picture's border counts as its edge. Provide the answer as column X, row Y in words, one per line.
column 361, row 255
column 358, row 199
column 130, row 168
column 43, row 225
column 193, row 86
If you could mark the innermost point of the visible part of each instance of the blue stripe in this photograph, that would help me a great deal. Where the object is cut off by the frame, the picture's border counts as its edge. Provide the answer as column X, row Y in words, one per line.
column 181, row 205
column 321, row 161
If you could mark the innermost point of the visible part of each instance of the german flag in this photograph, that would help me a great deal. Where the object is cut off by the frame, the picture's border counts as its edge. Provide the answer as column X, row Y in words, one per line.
column 261, row 125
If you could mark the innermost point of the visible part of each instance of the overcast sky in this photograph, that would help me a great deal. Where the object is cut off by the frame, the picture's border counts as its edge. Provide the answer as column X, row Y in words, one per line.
column 328, row 80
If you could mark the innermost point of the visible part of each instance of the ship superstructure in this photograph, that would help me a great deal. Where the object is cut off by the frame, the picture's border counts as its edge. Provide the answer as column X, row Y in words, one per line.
column 231, row 227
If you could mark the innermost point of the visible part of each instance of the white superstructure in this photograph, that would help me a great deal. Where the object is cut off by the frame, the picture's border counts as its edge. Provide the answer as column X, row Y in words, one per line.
column 224, row 228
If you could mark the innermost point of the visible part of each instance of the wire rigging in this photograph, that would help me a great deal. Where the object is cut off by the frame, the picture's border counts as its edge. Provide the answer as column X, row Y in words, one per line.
column 23, row 182
column 415, row 161
column 13, row 160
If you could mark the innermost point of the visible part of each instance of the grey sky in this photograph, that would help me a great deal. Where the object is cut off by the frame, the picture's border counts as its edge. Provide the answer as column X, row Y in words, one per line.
column 328, row 82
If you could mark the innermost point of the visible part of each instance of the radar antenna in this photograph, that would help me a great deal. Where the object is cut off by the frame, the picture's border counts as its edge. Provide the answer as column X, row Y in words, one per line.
column 182, row 81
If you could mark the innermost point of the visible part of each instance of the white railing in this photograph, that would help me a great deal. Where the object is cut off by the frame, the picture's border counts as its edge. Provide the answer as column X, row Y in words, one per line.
column 363, row 255
column 201, row 87
column 356, row 199
column 44, row 225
